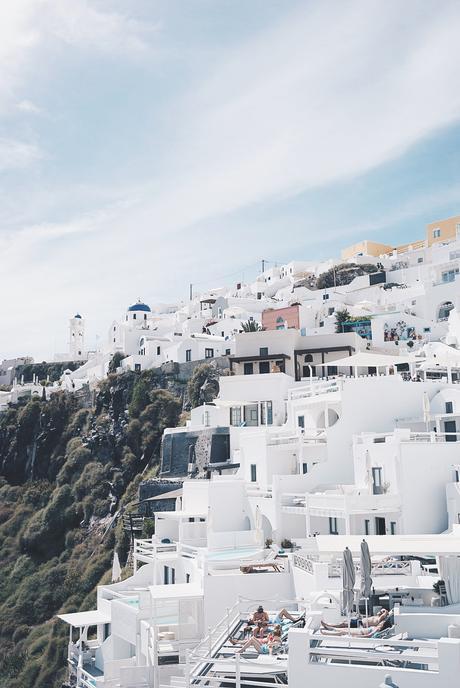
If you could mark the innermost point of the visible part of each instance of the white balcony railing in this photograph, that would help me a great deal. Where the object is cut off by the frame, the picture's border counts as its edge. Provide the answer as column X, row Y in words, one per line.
column 314, row 389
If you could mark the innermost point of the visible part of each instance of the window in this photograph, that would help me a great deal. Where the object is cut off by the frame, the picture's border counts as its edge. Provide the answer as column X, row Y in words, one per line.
column 393, row 527
column 209, row 353
column 266, row 413
column 263, row 351
column 325, row 297
column 449, row 407
column 248, row 368
column 333, row 530
column 235, row 416
column 419, row 260
column 187, row 578
column 264, row 367
column 449, row 275
column 158, row 350
column 304, row 468
column 377, row 484
column 301, row 421
column 253, row 473
column 188, row 355
column 332, row 370
column 134, row 316
column 436, row 233
column 367, row 526
column 145, row 316
column 330, row 311
column 137, row 367
column 321, row 323
column 114, row 329
column 454, row 254
column 227, row 352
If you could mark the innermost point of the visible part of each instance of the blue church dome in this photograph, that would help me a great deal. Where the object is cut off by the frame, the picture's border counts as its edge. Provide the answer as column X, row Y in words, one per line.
column 139, row 306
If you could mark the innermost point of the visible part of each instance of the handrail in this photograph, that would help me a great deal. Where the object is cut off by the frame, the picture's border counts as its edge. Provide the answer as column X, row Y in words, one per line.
column 233, row 613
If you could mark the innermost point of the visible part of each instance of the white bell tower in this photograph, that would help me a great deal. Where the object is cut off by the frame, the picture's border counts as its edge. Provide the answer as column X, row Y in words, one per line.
column 77, row 338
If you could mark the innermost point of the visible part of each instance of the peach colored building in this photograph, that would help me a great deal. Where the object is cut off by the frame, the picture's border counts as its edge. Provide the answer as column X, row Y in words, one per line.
column 366, row 248
column 281, row 318
column 443, row 230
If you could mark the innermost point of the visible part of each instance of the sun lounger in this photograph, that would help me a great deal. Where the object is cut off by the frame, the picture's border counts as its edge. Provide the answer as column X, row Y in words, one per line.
column 258, row 567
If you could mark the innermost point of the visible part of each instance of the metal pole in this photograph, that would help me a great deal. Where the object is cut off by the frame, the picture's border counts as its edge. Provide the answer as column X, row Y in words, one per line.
column 191, row 292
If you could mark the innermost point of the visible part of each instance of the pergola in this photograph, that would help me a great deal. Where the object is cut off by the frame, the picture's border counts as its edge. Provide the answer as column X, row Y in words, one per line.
column 365, row 359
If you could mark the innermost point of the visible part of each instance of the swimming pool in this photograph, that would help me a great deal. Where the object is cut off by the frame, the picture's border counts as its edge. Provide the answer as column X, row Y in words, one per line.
column 234, row 556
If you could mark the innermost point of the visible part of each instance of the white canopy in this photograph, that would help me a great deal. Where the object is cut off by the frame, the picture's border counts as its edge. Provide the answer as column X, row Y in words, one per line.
column 80, row 619
column 365, row 359
column 388, row 544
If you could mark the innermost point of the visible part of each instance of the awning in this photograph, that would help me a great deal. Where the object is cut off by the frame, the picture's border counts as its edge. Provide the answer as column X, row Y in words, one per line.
column 364, row 359
column 173, row 494
column 421, row 545
column 80, row 619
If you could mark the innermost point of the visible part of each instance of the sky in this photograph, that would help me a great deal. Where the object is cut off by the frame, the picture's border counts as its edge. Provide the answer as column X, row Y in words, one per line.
column 150, row 144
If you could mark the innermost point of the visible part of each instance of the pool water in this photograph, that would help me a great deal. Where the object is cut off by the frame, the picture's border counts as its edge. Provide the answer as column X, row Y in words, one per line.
column 234, row 554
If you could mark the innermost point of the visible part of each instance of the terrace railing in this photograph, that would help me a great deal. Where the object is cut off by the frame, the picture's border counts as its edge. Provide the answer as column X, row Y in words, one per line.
column 314, row 389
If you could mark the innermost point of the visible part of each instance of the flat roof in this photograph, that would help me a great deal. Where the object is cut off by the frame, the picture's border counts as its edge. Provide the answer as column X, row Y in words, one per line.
column 257, row 357
column 448, row 544
column 91, row 618
column 163, row 592
column 181, row 514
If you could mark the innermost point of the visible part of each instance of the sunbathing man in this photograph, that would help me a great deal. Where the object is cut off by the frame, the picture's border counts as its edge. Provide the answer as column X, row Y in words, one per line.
column 260, row 621
column 366, row 622
column 263, row 646
column 359, row 632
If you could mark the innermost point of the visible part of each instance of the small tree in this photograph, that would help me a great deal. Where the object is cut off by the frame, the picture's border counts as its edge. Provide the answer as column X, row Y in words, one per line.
column 201, row 374
column 115, row 361
column 341, row 317
column 251, row 326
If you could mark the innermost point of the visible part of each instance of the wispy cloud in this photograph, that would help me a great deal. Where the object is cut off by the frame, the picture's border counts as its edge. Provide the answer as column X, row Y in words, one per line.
column 329, row 93
column 16, row 154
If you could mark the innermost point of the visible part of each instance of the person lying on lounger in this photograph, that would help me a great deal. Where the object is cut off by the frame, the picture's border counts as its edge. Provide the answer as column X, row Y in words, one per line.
column 284, row 614
column 359, row 632
column 263, row 646
column 366, row 622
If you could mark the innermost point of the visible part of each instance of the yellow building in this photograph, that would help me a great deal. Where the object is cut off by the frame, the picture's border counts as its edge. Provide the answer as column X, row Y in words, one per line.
column 366, row 248
column 443, row 230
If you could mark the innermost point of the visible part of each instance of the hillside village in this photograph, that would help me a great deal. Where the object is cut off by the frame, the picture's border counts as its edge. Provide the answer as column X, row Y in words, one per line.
column 289, row 444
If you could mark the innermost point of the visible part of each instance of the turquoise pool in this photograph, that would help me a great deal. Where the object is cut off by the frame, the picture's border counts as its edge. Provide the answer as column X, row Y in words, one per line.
column 234, row 554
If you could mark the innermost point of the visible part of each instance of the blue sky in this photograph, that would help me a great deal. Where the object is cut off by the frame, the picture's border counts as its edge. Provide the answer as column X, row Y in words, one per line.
column 148, row 144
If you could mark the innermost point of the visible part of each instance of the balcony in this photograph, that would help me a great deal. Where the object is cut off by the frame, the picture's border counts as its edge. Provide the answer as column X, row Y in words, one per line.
column 314, row 389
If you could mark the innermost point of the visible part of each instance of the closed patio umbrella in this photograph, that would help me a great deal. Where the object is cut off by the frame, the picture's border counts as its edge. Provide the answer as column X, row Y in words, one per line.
column 116, row 568
column 348, row 581
column 366, row 570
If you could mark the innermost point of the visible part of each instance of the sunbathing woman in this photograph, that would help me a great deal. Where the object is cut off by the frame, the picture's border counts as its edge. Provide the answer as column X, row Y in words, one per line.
column 359, row 632
column 265, row 646
column 366, row 622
